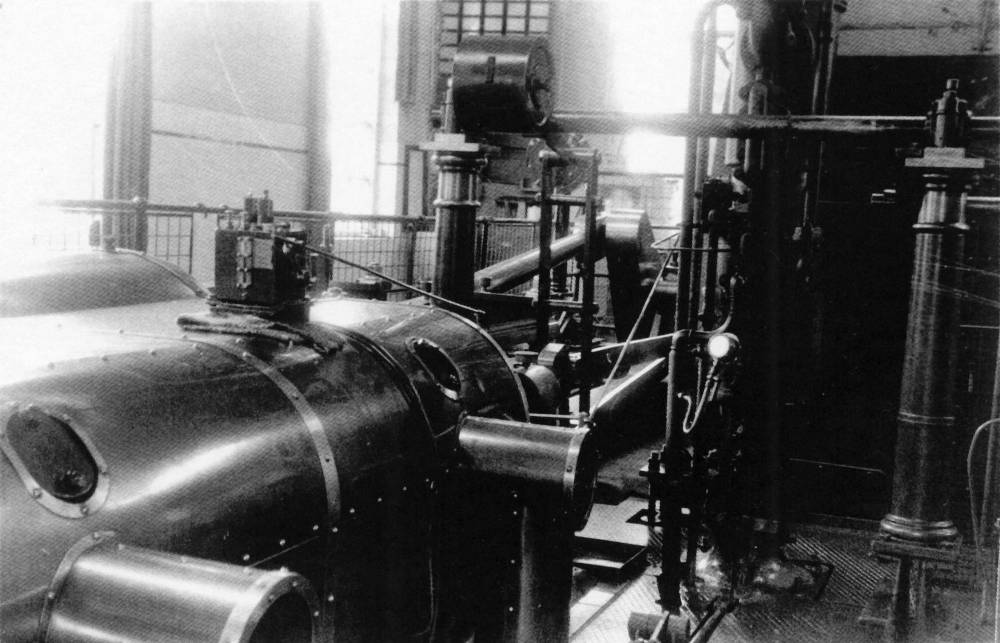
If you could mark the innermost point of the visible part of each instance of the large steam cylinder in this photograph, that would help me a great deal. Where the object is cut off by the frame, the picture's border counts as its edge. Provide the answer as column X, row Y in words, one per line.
column 316, row 447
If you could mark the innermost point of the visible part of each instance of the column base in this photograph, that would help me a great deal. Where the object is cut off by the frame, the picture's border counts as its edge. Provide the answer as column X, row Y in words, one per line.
column 921, row 531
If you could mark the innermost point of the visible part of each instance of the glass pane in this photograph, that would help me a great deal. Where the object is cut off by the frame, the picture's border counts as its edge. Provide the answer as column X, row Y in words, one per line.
column 493, row 25
column 540, row 10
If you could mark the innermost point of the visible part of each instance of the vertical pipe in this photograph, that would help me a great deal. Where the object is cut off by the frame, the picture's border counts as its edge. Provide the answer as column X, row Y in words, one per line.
column 706, row 91
column 771, row 364
column 829, row 25
column 653, row 467
column 681, row 312
column 824, row 36
column 670, row 503
column 711, row 280
column 668, row 582
column 484, row 243
column 899, row 620
column 697, row 260
column 546, row 578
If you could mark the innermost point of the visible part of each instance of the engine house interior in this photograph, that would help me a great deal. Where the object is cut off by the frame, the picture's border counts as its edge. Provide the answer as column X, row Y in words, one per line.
column 500, row 320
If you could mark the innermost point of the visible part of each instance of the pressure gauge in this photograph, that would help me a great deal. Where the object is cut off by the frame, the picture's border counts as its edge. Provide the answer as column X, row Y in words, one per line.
column 502, row 84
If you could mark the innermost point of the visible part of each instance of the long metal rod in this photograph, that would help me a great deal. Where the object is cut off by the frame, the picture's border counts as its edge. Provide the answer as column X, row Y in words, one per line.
column 743, row 126
column 549, row 160
column 589, row 259
column 401, row 284
column 161, row 209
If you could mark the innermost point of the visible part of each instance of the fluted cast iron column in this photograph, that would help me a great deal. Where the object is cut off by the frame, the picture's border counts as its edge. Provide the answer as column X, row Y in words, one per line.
column 926, row 420
column 459, row 164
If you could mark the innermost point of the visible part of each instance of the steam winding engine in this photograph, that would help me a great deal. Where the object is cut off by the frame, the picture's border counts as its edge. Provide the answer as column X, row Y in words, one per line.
column 366, row 474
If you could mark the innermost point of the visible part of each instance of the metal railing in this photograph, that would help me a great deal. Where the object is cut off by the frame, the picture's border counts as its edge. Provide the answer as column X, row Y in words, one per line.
column 401, row 247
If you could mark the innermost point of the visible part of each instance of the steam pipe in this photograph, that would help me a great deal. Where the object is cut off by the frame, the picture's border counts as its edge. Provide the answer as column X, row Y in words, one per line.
column 706, row 90
column 520, row 268
column 829, row 26
column 670, row 577
column 772, row 325
column 711, row 279
column 681, row 317
column 554, row 471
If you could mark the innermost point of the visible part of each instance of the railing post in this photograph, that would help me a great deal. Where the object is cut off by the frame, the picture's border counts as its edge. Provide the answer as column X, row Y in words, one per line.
column 140, row 238
column 410, row 233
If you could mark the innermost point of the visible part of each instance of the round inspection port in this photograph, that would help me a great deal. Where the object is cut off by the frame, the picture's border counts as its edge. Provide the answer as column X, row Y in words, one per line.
column 438, row 365
column 56, row 462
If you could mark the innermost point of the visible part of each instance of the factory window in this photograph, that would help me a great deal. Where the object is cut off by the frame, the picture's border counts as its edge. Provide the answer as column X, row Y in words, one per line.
column 362, row 39
column 486, row 17
column 54, row 61
column 652, row 40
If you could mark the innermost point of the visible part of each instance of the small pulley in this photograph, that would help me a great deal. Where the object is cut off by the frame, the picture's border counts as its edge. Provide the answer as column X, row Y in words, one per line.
column 502, row 84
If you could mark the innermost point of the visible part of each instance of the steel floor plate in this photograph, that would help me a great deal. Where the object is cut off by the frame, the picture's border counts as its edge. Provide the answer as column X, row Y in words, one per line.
column 833, row 617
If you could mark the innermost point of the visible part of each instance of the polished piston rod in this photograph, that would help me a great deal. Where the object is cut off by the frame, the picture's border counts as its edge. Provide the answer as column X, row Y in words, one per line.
column 742, row 126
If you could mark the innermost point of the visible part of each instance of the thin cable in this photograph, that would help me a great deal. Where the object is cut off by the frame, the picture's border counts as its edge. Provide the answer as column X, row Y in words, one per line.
column 329, row 255
column 988, row 424
column 635, row 329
